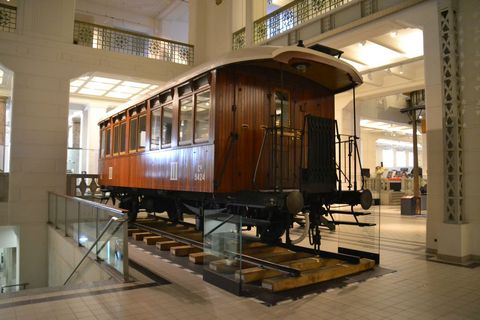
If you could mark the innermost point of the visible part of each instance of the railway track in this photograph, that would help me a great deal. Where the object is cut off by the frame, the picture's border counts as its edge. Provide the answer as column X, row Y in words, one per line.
column 274, row 268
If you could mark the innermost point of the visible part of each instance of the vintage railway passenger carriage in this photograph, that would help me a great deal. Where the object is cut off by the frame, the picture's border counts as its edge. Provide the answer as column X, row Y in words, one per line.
column 252, row 134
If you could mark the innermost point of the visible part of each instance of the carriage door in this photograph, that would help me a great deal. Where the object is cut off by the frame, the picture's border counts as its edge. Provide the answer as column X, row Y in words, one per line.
column 318, row 171
column 285, row 142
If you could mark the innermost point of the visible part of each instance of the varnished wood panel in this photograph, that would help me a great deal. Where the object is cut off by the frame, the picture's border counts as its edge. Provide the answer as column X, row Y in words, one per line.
column 250, row 90
column 153, row 169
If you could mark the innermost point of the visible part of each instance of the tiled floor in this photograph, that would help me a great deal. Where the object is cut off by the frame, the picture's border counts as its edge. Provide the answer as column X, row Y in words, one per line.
column 418, row 290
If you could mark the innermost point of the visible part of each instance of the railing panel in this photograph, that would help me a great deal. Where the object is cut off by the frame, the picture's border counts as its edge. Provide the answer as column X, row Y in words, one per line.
column 238, row 39
column 105, row 38
column 85, row 221
column 292, row 15
column 8, row 18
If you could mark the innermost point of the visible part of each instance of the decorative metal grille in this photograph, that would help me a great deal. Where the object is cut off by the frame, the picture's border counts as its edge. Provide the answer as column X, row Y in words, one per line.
column 238, row 39
column 295, row 13
column 8, row 18
column 453, row 121
column 104, row 38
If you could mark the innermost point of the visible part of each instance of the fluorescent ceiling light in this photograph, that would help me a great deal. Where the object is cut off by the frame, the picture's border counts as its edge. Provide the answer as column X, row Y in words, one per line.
column 98, row 85
column 410, row 41
column 135, row 84
column 106, row 80
column 92, row 92
column 126, row 89
column 118, row 95
column 375, row 55
column 396, row 143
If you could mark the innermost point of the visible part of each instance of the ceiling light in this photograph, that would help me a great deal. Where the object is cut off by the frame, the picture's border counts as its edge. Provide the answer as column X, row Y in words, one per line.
column 393, row 34
column 106, row 80
column 135, row 84
column 98, row 85
column 118, row 95
column 92, row 92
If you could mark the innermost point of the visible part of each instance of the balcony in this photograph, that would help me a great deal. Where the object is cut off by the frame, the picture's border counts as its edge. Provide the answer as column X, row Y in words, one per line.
column 8, row 18
column 105, row 38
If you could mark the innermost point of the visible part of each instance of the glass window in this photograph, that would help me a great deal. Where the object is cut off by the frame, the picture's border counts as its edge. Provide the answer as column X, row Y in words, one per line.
column 133, row 134
column 167, row 125
column 282, row 109
column 202, row 116
column 107, row 140
column 102, row 143
column 123, row 137
column 185, row 121
column 142, row 131
column 400, row 159
column 155, row 119
column 116, row 139
column 387, row 157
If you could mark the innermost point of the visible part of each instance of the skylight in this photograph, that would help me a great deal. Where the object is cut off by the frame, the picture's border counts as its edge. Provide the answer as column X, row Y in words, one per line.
column 110, row 87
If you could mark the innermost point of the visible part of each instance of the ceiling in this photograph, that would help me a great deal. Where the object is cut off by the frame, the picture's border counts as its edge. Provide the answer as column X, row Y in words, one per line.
column 157, row 9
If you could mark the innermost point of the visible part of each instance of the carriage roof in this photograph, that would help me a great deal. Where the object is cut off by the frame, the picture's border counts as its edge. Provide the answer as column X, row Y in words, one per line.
column 330, row 72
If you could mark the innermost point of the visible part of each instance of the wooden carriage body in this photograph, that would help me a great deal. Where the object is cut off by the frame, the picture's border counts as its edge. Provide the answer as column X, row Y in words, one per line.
column 227, row 127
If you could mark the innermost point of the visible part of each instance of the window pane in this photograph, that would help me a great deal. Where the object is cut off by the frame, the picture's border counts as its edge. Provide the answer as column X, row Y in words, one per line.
column 116, row 140
column 185, row 123
column 123, row 137
column 401, row 159
column 102, row 143
column 167, row 125
column 387, row 156
column 107, row 141
column 282, row 109
column 202, row 116
column 133, row 134
column 155, row 129
column 142, row 131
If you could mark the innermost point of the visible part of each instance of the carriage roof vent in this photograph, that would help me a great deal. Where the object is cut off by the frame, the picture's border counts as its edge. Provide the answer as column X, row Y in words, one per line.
column 324, row 49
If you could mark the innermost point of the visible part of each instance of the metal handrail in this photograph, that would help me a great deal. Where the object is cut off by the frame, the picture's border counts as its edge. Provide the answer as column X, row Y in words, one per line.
column 24, row 285
column 112, row 219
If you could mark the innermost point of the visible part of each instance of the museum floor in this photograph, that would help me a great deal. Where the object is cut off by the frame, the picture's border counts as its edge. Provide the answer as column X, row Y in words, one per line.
column 418, row 289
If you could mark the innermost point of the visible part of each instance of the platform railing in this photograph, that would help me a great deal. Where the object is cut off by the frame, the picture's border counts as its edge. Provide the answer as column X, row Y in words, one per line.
column 95, row 226
column 8, row 18
column 137, row 44
column 19, row 286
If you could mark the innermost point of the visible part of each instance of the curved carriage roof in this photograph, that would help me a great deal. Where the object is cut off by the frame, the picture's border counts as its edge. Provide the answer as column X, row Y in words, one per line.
column 330, row 72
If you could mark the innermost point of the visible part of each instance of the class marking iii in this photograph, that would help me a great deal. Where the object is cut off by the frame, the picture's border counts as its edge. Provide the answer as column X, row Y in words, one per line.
column 174, row 171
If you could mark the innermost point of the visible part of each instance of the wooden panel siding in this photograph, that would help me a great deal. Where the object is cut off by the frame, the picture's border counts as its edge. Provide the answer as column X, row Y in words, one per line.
column 250, row 89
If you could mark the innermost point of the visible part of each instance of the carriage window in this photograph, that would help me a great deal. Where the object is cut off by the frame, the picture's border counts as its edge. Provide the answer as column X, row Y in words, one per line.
column 123, row 137
column 102, row 143
column 167, row 125
column 185, row 121
column 202, row 116
column 142, row 131
column 155, row 129
column 282, row 109
column 133, row 134
column 116, row 140
column 107, row 141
